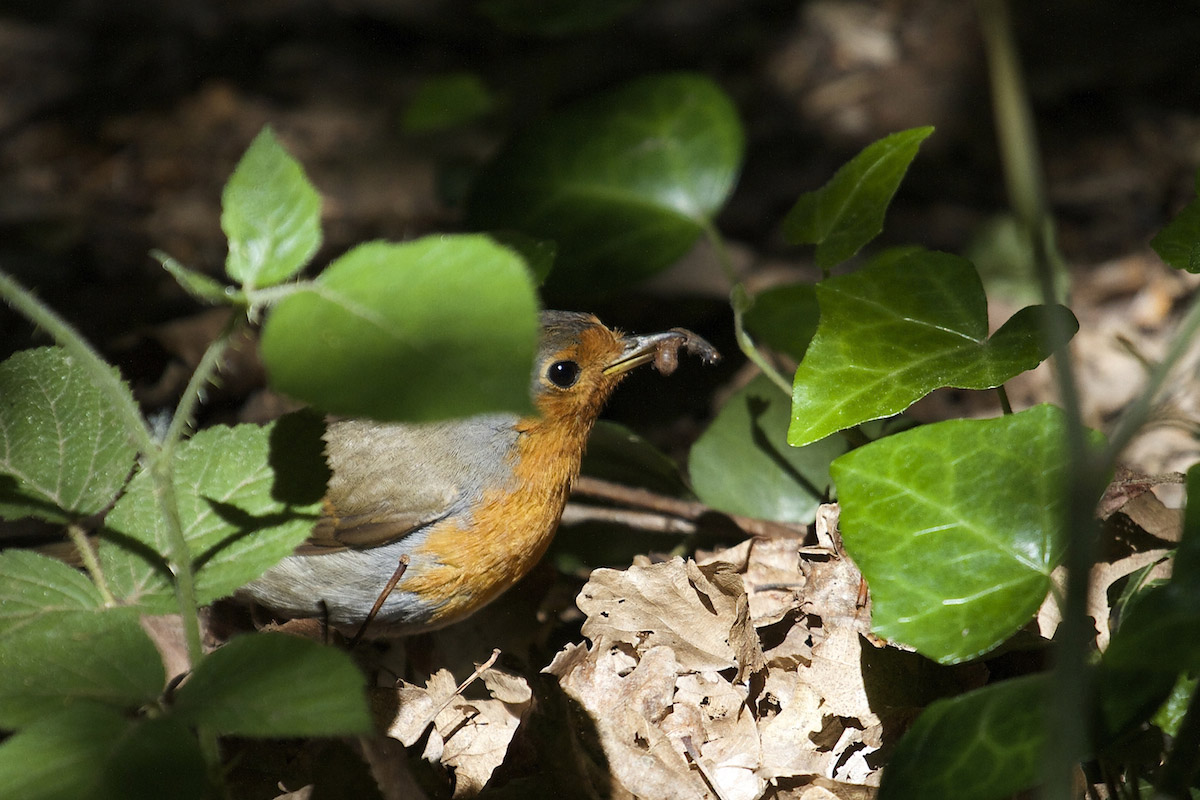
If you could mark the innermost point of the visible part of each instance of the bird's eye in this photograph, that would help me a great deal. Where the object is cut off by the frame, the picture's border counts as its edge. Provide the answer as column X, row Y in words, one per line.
column 563, row 374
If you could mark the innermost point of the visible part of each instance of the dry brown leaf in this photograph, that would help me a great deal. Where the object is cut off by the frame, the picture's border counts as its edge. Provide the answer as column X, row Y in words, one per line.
column 471, row 737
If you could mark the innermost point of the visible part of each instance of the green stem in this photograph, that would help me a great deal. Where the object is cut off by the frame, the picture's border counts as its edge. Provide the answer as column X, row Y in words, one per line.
column 1070, row 695
column 205, row 370
column 92, row 564
column 1184, row 760
column 740, row 302
column 1002, row 393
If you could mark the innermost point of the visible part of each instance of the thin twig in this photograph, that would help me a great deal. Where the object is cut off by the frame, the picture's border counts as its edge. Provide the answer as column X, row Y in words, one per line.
column 683, row 509
column 462, row 687
column 389, row 587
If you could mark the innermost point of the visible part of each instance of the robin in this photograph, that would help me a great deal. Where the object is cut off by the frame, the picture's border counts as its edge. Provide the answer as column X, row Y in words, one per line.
column 470, row 504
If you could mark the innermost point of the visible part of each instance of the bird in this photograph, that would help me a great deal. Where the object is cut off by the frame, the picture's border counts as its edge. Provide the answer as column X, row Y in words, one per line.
column 470, row 505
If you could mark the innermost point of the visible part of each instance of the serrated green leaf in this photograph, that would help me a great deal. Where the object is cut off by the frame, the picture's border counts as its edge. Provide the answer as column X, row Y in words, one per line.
column 197, row 284
column 447, row 101
column 982, row 745
column 271, row 215
column 554, row 17
column 249, row 687
column 743, row 465
column 1178, row 244
column 784, row 318
column 91, row 752
column 247, row 497
column 34, row 587
column 893, row 332
column 65, row 450
column 846, row 213
column 65, row 659
column 439, row 327
column 978, row 505
column 624, row 183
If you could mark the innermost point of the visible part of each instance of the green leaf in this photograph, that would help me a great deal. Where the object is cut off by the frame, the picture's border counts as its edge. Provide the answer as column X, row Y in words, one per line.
column 743, row 465
column 63, row 448
column 443, row 326
column 784, row 318
column 539, row 254
column 980, row 745
column 275, row 685
column 1171, row 715
column 977, row 505
column 34, row 587
column 247, row 497
column 197, row 284
column 271, row 215
column 94, row 753
column 1178, row 244
column 66, row 659
column 846, row 213
column 554, row 17
column 615, row 453
column 447, row 101
column 624, row 183
column 893, row 332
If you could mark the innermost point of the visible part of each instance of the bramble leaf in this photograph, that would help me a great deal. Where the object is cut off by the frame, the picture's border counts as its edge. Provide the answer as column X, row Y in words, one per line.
column 34, row 587
column 64, row 452
column 439, row 327
column 271, row 215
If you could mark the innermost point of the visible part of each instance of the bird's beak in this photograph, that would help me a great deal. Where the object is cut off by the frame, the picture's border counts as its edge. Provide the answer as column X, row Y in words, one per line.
column 640, row 350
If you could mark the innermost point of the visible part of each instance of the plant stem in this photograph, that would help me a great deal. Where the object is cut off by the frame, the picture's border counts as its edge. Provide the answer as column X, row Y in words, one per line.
column 1070, row 693
column 209, row 363
column 1005, row 406
column 1181, row 765
column 88, row 555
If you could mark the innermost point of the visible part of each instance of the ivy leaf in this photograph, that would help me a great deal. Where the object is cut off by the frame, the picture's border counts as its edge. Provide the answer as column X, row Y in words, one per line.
column 983, row 745
column 978, row 505
column 67, row 659
column 64, row 452
column 893, row 332
column 846, row 213
column 743, row 465
column 249, row 688
column 784, row 318
column 271, row 215
column 439, row 327
column 34, row 588
column 247, row 497
column 624, row 183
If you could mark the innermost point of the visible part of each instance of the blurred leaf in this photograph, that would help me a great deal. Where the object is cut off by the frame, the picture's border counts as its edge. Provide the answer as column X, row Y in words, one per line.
column 197, row 284
column 447, row 101
column 978, row 504
column 65, row 659
column 784, row 318
column 243, row 506
column 615, row 453
column 60, row 439
column 539, row 254
column 554, row 17
column 624, row 183
column 846, row 213
column 1171, row 715
column 1003, row 252
column 893, row 332
column 980, row 745
column 275, row 685
column 271, row 215
column 439, row 327
column 93, row 753
column 34, row 587
column 1178, row 244
column 742, row 463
